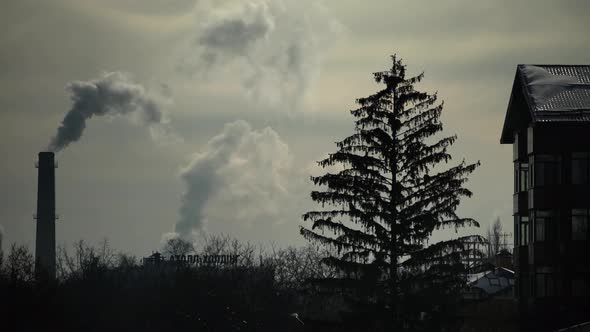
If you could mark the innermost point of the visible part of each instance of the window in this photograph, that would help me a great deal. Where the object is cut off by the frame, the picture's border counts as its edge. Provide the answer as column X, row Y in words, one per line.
column 580, row 167
column 521, row 177
column 521, row 229
column 579, row 287
column 580, row 219
column 539, row 229
column 549, row 285
column 546, row 170
column 544, row 285
column 516, row 180
column 524, row 231
column 525, row 285
column 524, row 177
column 540, row 285
column 543, row 222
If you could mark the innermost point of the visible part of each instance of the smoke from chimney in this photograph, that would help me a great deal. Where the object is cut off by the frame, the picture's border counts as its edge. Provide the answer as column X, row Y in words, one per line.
column 112, row 94
column 241, row 168
column 1, row 236
column 273, row 48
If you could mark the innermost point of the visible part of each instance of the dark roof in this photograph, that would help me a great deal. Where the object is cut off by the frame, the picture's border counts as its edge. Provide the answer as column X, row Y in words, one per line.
column 550, row 93
column 495, row 281
column 504, row 253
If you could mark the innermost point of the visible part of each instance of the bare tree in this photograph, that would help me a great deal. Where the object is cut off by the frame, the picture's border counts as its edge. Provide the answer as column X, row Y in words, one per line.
column 216, row 244
column 126, row 261
column 20, row 264
column 494, row 238
column 293, row 267
column 84, row 260
column 178, row 246
column 224, row 244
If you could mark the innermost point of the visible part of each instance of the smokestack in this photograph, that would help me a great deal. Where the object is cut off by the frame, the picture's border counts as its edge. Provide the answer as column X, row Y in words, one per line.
column 45, row 240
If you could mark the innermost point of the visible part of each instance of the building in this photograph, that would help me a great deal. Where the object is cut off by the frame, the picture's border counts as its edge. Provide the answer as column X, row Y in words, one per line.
column 153, row 260
column 504, row 259
column 548, row 125
column 497, row 283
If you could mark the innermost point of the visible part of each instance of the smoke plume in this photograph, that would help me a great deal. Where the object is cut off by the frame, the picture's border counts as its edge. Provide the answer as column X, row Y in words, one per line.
column 1, row 236
column 112, row 94
column 239, row 176
column 273, row 47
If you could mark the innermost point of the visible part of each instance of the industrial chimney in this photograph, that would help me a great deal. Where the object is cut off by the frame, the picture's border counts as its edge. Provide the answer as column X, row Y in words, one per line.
column 45, row 240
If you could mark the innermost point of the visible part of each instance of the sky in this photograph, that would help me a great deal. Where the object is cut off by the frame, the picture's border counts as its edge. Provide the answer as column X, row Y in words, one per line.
column 213, row 113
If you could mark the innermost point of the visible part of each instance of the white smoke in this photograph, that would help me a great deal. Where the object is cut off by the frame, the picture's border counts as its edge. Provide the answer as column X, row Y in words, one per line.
column 112, row 94
column 272, row 47
column 239, row 176
column 1, row 236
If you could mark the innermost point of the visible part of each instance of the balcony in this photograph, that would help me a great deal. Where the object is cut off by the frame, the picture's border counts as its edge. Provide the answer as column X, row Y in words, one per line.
column 520, row 203
column 543, row 253
column 576, row 253
column 521, row 256
column 564, row 195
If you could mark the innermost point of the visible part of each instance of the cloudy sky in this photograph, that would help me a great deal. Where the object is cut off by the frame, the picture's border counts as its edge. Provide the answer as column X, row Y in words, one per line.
column 213, row 112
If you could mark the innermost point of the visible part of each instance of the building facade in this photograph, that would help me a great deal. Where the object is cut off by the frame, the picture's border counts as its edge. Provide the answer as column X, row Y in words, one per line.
column 548, row 125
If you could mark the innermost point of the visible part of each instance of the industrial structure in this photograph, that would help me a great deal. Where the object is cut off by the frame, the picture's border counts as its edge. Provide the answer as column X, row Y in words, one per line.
column 45, row 237
column 548, row 125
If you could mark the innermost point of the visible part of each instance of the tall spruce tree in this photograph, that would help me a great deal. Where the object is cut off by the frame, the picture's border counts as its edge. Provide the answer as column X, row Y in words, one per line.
column 392, row 193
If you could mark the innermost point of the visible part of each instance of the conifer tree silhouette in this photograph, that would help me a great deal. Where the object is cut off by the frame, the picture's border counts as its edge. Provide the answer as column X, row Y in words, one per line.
column 392, row 193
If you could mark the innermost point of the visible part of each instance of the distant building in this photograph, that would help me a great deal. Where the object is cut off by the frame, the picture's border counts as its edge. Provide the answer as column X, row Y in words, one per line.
column 157, row 259
column 548, row 124
column 497, row 283
column 154, row 259
column 504, row 259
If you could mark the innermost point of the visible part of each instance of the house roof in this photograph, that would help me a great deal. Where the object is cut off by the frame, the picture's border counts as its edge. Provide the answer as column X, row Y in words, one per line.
column 549, row 93
column 495, row 281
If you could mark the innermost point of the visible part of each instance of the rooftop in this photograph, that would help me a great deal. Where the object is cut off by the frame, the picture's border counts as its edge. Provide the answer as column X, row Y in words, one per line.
column 550, row 93
column 495, row 281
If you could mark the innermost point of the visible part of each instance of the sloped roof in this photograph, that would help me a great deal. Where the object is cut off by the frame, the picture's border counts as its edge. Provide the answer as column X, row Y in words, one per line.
column 551, row 93
column 495, row 281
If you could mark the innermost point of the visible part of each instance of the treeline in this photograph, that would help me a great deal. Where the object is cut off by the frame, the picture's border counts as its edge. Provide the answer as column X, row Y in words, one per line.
column 98, row 289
